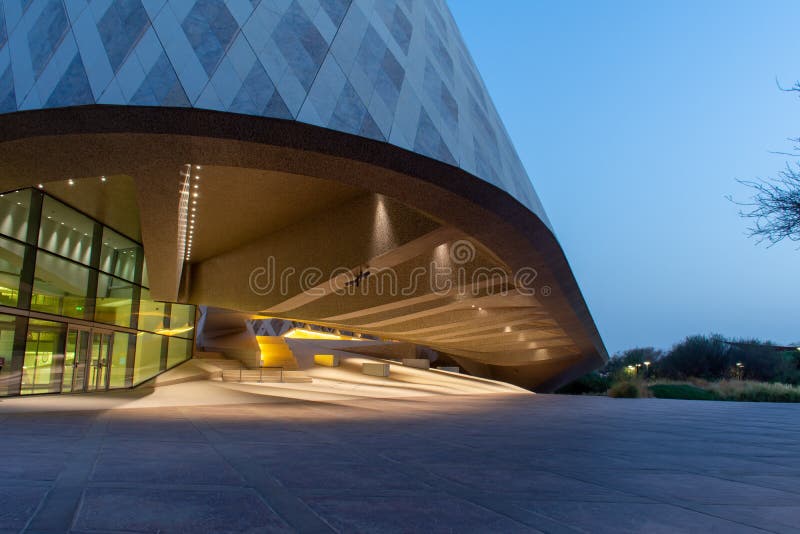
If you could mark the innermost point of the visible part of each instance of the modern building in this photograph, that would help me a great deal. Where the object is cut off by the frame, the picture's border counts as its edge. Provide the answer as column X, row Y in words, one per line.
column 330, row 162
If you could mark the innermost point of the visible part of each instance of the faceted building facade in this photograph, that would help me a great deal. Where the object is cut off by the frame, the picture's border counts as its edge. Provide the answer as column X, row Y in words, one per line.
column 360, row 127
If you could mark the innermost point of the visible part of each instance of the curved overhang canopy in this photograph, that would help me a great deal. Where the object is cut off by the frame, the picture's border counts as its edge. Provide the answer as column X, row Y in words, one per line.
column 452, row 262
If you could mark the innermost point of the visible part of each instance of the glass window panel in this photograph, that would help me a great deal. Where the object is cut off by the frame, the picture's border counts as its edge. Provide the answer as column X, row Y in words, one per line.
column 44, row 357
column 148, row 356
column 114, row 301
column 9, row 382
column 59, row 286
column 181, row 320
column 179, row 350
column 151, row 313
column 14, row 210
column 119, row 361
column 11, row 256
column 65, row 231
column 118, row 255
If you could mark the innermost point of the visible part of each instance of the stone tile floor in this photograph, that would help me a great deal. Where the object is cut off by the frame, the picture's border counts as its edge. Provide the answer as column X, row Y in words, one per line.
column 488, row 463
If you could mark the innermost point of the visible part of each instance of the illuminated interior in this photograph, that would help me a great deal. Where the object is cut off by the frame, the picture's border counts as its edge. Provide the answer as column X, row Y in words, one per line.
column 76, row 310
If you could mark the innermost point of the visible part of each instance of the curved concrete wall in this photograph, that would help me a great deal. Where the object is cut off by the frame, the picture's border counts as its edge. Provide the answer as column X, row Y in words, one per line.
column 393, row 70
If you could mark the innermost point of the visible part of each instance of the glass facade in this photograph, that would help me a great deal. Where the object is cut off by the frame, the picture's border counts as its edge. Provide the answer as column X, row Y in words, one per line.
column 75, row 310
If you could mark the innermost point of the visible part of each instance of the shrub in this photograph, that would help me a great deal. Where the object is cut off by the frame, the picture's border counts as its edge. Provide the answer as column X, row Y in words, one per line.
column 589, row 384
column 696, row 356
column 628, row 389
column 746, row 390
column 681, row 391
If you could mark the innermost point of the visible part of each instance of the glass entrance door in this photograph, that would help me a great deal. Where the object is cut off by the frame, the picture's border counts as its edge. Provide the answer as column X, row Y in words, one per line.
column 76, row 360
column 86, row 360
column 100, row 359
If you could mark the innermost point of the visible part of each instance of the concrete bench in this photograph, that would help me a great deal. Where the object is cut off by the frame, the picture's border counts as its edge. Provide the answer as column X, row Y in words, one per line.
column 326, row 360
column 419, row 363
column 375, row 369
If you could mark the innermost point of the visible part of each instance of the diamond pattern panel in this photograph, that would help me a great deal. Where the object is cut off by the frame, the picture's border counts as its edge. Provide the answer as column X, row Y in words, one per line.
column 45, row 34
column 120, row 27
column 395, row 71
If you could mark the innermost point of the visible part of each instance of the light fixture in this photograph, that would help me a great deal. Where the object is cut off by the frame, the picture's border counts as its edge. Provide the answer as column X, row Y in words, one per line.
column 41, row 186
column 71, row 181
column 102, row 178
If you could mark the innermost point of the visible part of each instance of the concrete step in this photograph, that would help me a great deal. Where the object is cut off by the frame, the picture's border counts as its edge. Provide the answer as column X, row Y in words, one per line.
column 252, row 375
column 224, row 363
column 296, row 377
column 208, row 355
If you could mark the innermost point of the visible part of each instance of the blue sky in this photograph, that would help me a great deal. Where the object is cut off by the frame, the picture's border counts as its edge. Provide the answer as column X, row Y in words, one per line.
column 634, row 119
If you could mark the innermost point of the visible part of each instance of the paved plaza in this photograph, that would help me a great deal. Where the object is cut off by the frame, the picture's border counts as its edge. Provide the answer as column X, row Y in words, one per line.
column 434, row 463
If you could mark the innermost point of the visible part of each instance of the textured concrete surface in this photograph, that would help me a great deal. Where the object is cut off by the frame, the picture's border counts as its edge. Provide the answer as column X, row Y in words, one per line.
column 489, row 463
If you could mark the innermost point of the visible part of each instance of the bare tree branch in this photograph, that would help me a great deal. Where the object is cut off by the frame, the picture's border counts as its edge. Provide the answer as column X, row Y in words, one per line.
column 774, row 209
column 775, row 206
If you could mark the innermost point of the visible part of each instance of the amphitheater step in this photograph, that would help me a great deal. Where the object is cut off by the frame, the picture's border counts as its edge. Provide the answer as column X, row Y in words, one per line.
column 252, row 375
column 296, row 377
column 223, row 363
column 208, row 355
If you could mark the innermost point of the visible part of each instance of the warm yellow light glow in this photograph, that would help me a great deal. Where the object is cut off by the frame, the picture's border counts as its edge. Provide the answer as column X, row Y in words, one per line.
column 275, row 352
column 174, row 331
column 326, row 360
column 305, row 333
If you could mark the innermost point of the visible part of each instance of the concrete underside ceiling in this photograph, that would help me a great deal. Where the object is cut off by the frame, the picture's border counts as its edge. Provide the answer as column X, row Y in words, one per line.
column 288, row 232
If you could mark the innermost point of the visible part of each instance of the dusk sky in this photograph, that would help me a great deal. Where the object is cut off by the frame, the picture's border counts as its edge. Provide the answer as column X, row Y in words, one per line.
column 634, row 120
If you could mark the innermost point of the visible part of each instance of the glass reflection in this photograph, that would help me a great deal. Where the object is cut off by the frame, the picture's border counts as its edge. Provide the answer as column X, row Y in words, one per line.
column 11, row 256
column 9, row 381
column 118, row 255
column 14, row 210
column 59, row 286
column 65, row 231
column 114, row 301
column 44, row 357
